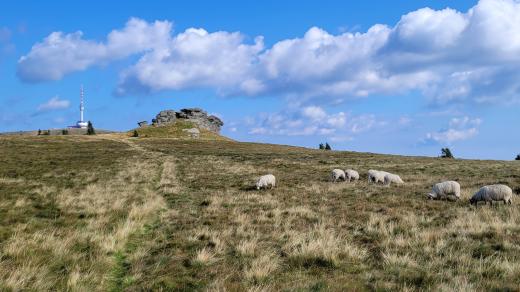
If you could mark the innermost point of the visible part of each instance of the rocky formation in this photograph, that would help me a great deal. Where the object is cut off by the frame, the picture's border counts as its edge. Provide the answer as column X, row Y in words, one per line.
column 193, row 132
column 194, row 115
column 164, row 118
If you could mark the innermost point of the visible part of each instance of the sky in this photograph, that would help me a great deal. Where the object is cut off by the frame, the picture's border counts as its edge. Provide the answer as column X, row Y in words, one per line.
column 397, row 77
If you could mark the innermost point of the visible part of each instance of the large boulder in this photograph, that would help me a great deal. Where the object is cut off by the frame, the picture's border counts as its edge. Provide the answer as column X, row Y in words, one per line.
column 165, row 117
column 193, row 132
column 214, row 124
column 192, row 113
column 195, row 115
column 200, row 118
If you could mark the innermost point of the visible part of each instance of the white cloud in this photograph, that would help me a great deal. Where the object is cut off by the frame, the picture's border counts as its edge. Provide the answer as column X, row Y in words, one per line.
column 54, row 103
column 459, row 129
column 196, row 58
column 313, row 121
column 314, row 112
column 60, row 54
column 450, row 56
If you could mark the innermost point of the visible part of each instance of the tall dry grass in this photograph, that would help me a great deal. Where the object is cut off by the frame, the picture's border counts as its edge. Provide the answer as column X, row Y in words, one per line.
column 183, row 215
column 79, row 256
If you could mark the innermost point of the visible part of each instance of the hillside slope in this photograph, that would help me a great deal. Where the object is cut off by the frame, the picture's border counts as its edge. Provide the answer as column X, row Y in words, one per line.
column 114, row 213
column 175, row 130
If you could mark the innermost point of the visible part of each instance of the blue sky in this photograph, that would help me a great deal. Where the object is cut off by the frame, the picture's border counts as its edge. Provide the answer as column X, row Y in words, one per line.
column 400, row 77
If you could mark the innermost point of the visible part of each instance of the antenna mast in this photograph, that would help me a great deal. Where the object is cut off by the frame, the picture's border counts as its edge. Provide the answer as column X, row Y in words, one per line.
column 81, row 107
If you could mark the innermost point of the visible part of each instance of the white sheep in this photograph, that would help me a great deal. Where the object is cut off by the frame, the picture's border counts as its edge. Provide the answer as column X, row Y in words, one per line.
column 376, row 176
column 493, row 193
column 266, row 181
column 444, row 189
column 351, row 175
column 392, row 178
column 337, row 174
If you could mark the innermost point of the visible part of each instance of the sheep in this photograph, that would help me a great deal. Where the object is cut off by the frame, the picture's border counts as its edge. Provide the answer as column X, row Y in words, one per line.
column 266, row 181
column 493, row 193
column 376, row 176
column 392, row 178
column 337, row 174
column 445, row 189
column 351, row 175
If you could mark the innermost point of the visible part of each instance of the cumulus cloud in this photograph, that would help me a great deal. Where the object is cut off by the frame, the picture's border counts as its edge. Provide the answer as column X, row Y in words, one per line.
column 459, row 129
column 54, row 103
column 59, row 54
column 313, row 121
column 448, row 55
column 314, row 112
column 196, row 58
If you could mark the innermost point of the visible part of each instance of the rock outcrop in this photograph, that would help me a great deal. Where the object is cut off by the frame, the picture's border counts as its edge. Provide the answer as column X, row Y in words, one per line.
column 193, row 132
column 164, row 118
column 194, row 115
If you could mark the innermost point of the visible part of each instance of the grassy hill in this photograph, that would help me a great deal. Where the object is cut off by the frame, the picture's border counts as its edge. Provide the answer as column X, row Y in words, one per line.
column 175, row 130
column 108, row 212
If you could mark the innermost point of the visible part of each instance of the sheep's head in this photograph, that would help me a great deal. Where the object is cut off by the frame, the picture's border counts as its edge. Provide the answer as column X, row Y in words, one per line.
column 431, row 196
column 473, row 201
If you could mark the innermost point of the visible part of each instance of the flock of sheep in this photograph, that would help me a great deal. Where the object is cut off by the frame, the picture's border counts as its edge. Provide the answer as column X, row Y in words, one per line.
column 442, row 190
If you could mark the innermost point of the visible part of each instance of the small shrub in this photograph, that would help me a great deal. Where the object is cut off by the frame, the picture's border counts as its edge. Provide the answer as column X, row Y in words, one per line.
column 90, row 129
column 327, row 146
column 517, row 157
column 39, row 132
column 321, row 147
column 64, row 132
column 446, row 153
column 135, row 134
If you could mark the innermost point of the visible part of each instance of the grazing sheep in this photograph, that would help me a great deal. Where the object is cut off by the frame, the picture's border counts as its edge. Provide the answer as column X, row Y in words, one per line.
column 493, row 193
column 376, row 176
column 392, row 178
column 337, row 174
column 351, row 175
column 445, row 189
column 266, row 181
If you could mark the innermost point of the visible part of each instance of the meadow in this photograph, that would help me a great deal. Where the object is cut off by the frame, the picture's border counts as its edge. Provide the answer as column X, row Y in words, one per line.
column 110, row 212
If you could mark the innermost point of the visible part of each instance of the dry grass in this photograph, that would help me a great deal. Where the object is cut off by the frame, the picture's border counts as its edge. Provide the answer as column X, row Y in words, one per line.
column 205, row 257
column 262, row 267
column 98, row 219
column 166, row 214
column 175, row 131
